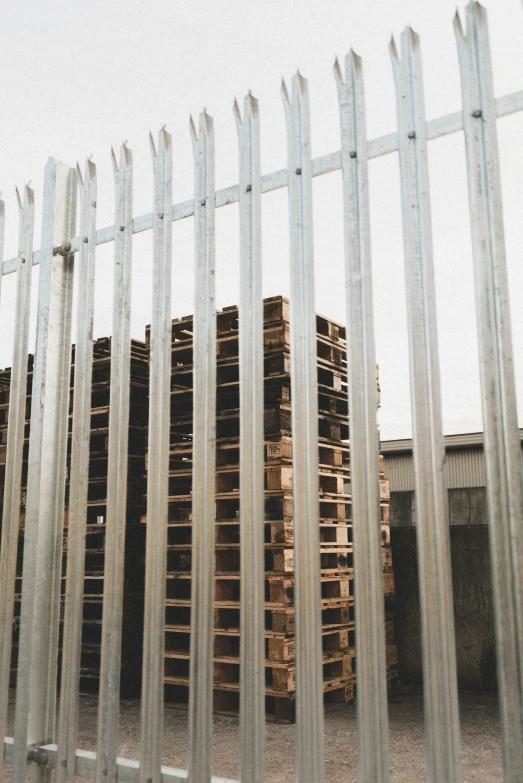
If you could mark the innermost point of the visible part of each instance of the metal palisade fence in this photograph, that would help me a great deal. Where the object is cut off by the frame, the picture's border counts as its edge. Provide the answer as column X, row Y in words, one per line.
column 43, row 745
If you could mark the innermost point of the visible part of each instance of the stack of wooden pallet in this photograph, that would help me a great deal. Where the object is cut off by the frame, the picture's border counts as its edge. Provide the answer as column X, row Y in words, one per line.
column 335, row 516
column 96, row 512
column 97, row 517
column 388, row 578
column 4, row 408
column 5, row 386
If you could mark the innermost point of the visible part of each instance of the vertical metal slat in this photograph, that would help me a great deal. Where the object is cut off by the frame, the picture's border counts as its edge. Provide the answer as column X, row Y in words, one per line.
column 38, row 649
column 14, row 452
column 498, row 393
column 204, row 457
column 157, row 467
column 252, row 589
column 79, row 477
column 373, row 740
column 310, row 762
column 109, row 694
column 437, row 615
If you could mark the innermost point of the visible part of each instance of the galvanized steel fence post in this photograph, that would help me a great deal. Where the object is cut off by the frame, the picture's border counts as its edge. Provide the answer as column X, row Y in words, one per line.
column 109, row 693
column 157, row 467
column 310, row 762
column 252, row 502
column 496, row 363
column 373, row 740
column 437, row 610
column 15, row 448
column 79, row 477
column 204, row 457
column 42, row 568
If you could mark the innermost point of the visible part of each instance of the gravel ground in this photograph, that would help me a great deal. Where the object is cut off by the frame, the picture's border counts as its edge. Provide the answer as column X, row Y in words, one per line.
column 481, row 747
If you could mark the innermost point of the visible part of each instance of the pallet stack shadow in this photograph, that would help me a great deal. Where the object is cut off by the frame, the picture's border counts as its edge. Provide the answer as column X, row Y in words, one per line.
column 96, row 513
column 335, row 517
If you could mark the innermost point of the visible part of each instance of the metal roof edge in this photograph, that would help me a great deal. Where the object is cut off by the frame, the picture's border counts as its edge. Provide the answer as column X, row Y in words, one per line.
column 464, row 440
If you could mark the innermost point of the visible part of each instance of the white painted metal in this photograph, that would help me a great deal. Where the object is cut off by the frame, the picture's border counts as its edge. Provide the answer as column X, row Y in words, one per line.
column 310, row 763
column 204, row 457
column 437, row 612
column 373, row 741
column 157, row 467
column 501, row 435
column 109, row 693
column 252, row 509
column 15, row 447
column 38, row 647
column 79, row 476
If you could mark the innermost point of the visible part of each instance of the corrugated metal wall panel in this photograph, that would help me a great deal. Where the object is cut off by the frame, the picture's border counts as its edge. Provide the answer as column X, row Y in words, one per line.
column 399, row 470
column 465, row 468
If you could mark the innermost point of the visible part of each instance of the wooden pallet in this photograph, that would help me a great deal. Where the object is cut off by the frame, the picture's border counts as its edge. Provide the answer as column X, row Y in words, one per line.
column 335, row 510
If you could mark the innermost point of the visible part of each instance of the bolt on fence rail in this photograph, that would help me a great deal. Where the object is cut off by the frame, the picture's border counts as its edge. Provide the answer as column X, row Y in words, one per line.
column 63, row 254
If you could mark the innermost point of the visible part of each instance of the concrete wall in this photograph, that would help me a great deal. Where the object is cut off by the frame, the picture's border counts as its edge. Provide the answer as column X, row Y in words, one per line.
column 472, row 604
column 466, row 507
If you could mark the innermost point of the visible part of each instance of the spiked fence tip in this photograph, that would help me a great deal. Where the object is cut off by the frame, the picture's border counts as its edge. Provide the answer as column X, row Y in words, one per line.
column 113, row 158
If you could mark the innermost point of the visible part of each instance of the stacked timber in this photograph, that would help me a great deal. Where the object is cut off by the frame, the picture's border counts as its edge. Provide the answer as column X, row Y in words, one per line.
column 97, row 512
column 335, row 550
column 5, row 386
column 388, row 578
column 97, row 516
column 5, row 381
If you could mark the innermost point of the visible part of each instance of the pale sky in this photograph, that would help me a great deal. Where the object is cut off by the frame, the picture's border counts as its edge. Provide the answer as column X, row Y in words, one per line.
column 81, row 75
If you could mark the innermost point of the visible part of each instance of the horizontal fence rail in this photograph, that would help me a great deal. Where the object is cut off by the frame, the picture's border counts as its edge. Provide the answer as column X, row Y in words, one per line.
column 512, row 103
column 43, row 745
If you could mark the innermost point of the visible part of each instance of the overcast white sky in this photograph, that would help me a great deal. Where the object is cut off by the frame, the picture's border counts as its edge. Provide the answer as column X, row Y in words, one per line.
column 81, row 75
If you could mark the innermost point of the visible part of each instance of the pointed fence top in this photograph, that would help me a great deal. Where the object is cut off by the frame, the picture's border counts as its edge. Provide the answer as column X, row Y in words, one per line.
column 300, row 83
column 250, row 108
column 90, row 168
column 474, row 12
column 284, row 92
column 164, row 141
column 205, row 125
column 126, row 157
column 300, row 88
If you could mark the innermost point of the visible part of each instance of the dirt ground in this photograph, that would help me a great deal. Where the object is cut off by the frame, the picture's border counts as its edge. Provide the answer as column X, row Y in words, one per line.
column 481, row 745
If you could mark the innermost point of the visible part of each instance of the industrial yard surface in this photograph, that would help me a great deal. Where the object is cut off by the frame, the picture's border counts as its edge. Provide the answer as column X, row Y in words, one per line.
column 481, row 745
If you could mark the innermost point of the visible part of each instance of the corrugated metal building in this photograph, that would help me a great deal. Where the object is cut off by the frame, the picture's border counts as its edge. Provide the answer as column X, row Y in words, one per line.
column 465, row 466
column 469, row 545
